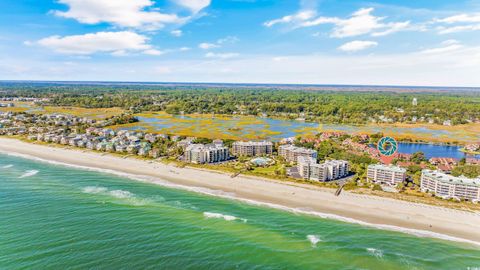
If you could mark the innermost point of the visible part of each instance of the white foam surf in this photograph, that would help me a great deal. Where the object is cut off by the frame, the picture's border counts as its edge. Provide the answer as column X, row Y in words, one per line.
column 222, row 216
column 124, row 195
column 28, row 174
column 375, row 252
column 314, row 239
column 121, row 194
column 94, row 190
column 228, row 195
column 7, row 166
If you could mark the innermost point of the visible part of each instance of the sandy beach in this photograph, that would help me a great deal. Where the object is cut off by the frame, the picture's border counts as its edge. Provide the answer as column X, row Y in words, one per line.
column 384, row 213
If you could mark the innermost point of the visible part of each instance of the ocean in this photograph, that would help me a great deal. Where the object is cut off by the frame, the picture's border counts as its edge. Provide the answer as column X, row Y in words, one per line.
column 58, row 217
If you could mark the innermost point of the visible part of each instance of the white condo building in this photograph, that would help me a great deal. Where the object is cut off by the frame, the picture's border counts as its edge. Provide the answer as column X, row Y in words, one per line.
column 448, row 186
column 251, row 149
column 309, row 169
column 383, row 174
column 291, row 152
column 210, row 153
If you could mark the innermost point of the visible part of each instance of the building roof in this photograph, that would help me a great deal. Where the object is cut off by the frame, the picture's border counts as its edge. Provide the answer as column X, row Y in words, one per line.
column 448, row 178
column 297, row 149
column 387, row 168
column 253, row 143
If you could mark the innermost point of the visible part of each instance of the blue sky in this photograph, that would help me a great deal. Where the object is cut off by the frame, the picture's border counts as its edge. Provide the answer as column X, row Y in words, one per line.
column 423, row 42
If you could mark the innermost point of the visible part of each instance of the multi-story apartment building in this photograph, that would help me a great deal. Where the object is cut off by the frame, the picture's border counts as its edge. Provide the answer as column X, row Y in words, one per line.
column 210, row 153
column 448, row 186
column 252, row 149
column 383, row 174
column 309, row 169
column 292, row 152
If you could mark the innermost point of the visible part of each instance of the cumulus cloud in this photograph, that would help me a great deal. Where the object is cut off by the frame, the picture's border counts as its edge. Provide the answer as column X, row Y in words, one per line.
column 193, row 5
column 360, row 22
column 357, row 45
column 116, row 43
column 122, row 13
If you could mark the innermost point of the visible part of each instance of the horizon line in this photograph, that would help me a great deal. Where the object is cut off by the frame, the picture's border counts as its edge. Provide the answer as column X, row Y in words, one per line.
column 240, row 84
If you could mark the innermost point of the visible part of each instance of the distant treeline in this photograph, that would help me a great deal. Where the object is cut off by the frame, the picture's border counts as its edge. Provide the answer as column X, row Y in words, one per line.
column 326, row 106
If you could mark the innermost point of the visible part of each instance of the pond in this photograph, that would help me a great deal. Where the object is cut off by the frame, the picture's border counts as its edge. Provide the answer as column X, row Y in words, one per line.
column 433, row 150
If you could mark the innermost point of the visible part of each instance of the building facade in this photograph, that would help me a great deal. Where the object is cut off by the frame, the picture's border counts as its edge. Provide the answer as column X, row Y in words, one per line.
column 251, row 149
column 448, row 186
column 201, row 154
column 383, row 174
column 292, row 152
column 309, row 169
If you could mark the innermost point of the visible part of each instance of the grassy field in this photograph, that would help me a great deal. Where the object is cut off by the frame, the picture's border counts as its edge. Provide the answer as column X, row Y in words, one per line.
column 95, row 113
column 204, row 125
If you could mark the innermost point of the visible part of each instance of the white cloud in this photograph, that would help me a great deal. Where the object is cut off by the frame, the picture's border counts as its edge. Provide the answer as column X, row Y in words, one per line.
column 117, row 43
column 458, row 23
column 153, row 52
column 207, row 46
column 176, row 33
column 448, row 46
column 393, row 28
column 357, row 45
column 218, row 43
column 460, row 28
column 122, row 13
column 193, row 5
column 297, row 17
column 461, row 18
column 360, row 22
column 221, row 55
column 456, row 68
column 228, row 39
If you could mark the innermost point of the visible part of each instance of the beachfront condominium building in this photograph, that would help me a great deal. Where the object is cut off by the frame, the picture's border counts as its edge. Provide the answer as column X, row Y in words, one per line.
column 383, row 174
column 448, row 186
column 309, row 169
column 251, row 149
column 201, row 154
column 291, row 152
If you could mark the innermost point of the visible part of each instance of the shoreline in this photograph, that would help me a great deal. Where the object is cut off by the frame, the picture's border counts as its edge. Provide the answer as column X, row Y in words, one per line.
column 382, row 213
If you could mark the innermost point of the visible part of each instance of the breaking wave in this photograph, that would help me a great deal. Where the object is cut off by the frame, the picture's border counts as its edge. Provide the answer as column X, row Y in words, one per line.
column 222, row 216
column 375, row 252
column 314, row 239
column 126, row 196
column 94, row 190
column 28, row 174
column 7, row 166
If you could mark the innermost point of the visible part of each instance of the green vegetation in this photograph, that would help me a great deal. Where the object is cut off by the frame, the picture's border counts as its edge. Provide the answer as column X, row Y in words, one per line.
column 470, row 171
column 353, row 107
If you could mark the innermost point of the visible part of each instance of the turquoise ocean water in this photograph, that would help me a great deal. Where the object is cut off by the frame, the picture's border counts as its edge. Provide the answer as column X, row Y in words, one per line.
column 56, row 217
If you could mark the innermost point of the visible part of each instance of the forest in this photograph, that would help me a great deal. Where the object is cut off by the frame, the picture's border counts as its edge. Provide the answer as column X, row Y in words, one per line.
column 327, row 106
